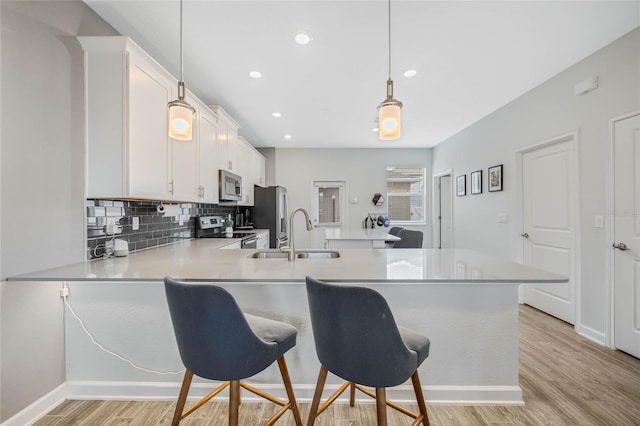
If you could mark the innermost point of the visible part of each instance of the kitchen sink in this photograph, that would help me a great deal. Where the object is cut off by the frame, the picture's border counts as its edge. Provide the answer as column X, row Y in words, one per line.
column 269, row 255
column 317, row 254
column 300, row 254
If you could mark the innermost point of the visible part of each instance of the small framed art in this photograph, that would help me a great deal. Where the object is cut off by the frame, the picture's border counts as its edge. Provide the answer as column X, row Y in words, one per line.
column 476, row 182
column 461, row 185
column 495, row 178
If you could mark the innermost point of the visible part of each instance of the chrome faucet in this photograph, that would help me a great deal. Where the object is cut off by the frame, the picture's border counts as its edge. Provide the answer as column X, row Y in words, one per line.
column 292, row 250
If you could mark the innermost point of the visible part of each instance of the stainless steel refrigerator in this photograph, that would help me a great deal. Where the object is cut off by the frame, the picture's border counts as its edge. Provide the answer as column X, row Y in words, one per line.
column 270, row 211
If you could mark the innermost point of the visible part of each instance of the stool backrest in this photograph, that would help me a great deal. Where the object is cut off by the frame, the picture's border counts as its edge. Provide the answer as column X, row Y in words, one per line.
column 395, row 230
column 356, row 336
column 214, row 338
column 409, row 239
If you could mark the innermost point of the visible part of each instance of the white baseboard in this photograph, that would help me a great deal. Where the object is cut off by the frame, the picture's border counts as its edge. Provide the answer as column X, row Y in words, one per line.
column 139, row 391
column 439, row 395
column 29, row 415
column 591, row 334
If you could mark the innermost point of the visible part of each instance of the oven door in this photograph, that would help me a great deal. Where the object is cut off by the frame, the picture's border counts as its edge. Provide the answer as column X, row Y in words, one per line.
column 250, row 243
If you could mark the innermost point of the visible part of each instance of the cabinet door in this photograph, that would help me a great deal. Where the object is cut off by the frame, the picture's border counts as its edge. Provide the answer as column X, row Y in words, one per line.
column 148, row 142
column 245, row 166
column 208, row 166
column 227, row 146
column 184, row 169
column 261, row 170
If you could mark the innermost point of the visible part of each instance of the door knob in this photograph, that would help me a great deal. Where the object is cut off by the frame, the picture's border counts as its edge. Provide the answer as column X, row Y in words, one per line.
column 525, row 235
column 621, row 246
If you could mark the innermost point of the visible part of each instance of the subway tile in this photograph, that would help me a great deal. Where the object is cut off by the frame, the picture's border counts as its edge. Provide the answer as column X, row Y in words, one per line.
column 114, row 211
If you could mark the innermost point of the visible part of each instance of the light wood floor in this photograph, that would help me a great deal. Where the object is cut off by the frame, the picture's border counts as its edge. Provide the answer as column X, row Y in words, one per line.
column 566, row 380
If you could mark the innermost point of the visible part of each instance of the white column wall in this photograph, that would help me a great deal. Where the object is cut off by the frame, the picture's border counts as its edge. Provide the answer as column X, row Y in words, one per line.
column 547, row 111
column 41, row 186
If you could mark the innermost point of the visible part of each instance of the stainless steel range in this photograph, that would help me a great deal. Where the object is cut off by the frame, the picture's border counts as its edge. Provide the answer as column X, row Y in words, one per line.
column 213, row 227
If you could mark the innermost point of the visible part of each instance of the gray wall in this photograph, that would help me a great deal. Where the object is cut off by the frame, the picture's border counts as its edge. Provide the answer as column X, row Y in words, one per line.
column 42, row 184
column 364, row 170
column 547, row 111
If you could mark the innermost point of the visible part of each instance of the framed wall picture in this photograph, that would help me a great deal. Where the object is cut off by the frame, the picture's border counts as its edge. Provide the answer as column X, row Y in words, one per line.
column 495, row 178
column 476, row 182
column 461, row 185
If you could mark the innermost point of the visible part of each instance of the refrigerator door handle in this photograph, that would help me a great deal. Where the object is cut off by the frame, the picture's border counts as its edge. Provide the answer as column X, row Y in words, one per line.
column 284, row 213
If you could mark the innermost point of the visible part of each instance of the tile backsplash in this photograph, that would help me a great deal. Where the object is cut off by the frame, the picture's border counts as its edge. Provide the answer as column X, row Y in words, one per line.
column 154, row 230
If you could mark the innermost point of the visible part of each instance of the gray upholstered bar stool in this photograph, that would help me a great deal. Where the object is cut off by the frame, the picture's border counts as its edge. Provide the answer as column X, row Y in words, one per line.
column 409, row 239
column 358, row 340
column 217, row 341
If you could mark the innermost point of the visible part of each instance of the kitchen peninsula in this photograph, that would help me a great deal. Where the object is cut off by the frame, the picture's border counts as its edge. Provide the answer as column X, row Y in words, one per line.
column 464, row 301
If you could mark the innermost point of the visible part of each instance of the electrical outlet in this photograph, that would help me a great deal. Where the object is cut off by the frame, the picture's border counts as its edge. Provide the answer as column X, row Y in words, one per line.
column 135, row 223
column 111, row 226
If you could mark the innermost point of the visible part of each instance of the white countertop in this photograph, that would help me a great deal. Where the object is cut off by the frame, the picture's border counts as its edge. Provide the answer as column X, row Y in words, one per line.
column 358, row 234
column 201, row 259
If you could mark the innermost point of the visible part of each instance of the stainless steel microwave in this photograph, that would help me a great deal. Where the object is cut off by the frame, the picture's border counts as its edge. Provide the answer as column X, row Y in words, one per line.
column 230, row 186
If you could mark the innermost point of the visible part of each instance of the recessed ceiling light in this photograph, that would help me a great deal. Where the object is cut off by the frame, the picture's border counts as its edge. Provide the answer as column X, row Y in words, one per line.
column 410, row 73
column 255, row 74
column 287, row 136
column 276, row 115
column 303, row 38
column 375, row 129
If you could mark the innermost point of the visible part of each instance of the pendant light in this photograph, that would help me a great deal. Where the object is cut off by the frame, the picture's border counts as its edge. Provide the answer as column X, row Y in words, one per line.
column 389, row 109
column 180, row 112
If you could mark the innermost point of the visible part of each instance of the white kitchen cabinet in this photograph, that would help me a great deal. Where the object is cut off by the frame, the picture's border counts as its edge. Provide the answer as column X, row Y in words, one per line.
column 227, row 140
column 184, row 177
column 208, row 157
column 130, row 154
column 251, row 166
column 245, row 161
column 128, row 150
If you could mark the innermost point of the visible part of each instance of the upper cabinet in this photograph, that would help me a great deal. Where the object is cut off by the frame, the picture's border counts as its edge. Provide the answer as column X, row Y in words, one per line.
column 126, row 111
column 129, row 152
column 227, row 140
column 251, row 167
column 208, row 155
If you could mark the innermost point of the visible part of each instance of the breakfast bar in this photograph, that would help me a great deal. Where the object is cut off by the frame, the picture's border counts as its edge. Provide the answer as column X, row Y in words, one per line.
column 466, row 303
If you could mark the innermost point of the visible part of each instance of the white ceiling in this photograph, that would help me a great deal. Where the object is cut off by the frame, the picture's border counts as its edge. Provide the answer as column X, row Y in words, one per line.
column 472, row 58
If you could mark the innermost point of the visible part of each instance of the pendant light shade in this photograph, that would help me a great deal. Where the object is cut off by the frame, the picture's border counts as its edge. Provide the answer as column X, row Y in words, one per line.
column 389, row 123
column 180, row 112
column 181, row 117
column 389, row 120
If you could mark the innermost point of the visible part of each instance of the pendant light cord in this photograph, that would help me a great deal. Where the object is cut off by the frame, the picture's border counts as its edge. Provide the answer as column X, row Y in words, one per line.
column 389, row 15
column 181, row 56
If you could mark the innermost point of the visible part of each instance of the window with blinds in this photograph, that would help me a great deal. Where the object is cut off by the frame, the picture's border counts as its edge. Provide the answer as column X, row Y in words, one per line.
column 406, row 195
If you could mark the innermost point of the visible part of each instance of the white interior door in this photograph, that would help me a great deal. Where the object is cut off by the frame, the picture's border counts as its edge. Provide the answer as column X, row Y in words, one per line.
column 549, row 194
column 446, row 212
column 627, row 233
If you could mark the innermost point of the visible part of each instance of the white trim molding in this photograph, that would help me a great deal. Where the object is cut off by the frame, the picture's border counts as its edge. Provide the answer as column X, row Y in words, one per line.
column 166, row 391
column 39, row 408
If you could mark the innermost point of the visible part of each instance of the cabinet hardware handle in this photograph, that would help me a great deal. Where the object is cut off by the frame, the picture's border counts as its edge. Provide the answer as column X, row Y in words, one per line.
column 621, row 246
column 525, row 235
column 171, row 187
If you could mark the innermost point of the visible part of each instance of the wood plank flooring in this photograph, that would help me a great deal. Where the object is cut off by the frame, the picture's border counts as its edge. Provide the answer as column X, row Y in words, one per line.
column 566, row 380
